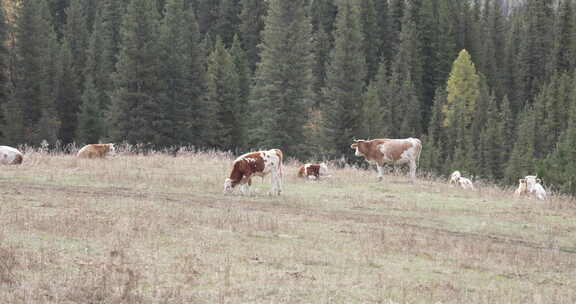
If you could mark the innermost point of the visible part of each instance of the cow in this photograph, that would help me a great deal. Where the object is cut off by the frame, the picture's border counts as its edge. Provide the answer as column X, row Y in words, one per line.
column 96, row 151
column 454, row 177
column 313, row 170
column 260, row 163
column 465, row 183
column 386, row 150
column 10, row 156
column 531, row 185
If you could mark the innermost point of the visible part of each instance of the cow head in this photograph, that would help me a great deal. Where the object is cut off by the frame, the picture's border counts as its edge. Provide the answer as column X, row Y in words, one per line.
column 323, row 169
column 110, row 149
column 228, row 185
column 360, row 146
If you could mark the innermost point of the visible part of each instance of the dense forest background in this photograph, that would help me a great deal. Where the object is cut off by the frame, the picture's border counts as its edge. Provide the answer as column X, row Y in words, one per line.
column 488, row 85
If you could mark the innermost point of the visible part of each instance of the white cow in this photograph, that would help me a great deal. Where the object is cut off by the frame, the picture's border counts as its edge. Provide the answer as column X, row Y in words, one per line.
column 10, row 156
column 454, row 177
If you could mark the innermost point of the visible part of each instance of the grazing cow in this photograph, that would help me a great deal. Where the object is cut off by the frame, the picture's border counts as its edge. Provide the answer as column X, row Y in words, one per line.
column 394, row 151
column 454, row 177
column 259, row 163
column 96, row 151
column 313, row 170
column 465, row 183
column 10, row 156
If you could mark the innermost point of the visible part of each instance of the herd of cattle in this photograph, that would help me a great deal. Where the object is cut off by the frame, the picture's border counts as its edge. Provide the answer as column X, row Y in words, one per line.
column 261, row 163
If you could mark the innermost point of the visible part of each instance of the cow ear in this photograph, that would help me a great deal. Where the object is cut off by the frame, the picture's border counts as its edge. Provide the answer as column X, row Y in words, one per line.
column 539, row 181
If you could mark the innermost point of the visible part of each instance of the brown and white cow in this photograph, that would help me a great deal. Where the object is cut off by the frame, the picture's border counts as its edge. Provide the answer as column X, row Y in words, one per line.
column 259, row 163
column 313, row 170
column 10, row 156
column 393, row 151
column 96, row 151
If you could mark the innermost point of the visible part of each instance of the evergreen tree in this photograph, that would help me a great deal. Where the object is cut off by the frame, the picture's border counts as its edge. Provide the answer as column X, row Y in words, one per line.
column 33, row 93
column 281, row 93
column 224, row 93
column 433, row 157
column 251, row 25
column 136, row 113
column 408, row 65
column 565, row 38
column 535, row 48
column 559, row 167
column 90, row 119
column 521, row 161
column 67, row 94
column 321, row 53
column 178, row 99
column 4, row 68
column 228, row 22
column 371, row 38
column 342, row 111
column 378, row 115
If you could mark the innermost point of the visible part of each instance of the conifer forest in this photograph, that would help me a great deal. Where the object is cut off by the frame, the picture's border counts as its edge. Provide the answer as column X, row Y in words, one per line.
column 489, row 86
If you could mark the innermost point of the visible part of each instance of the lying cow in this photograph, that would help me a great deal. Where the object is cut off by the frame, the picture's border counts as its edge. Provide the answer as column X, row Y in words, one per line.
column 96, row 151
column 313, row 170
column 259, row 163
column 393, row 151
column 10, row 156
column 531, row 185
column 465, row 183
column 454, row 177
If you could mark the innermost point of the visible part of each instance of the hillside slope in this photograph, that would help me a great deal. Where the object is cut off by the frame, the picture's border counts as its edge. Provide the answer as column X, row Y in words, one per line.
column 151, row 229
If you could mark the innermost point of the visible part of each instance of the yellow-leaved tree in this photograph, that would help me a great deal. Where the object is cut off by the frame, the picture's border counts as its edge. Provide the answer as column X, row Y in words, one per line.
column 463, row 88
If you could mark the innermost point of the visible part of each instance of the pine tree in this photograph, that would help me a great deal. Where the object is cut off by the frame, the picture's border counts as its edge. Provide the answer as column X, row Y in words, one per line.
column 559, row 167
column 342, row 111
column 321, row 53
column 433, row 157
column 33, row 93
column 3, row 67
column 281, row 92
column 565, row 38
column 228, row 21
column 67, row 94
column 535, row 48
column 224, row 93
column 407, row 75
column 251, row 26
column 522, row 160
column 136, row 113
column 90, row 119
column 178, row 100
column 371, row 39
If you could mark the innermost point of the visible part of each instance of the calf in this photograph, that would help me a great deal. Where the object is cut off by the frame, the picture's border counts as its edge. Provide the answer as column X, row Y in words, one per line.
column 454, row 177
column 465, row 183
column 10, row 156
column 531, row 185
column 313, row 170
column 259, row 163
column 96, row 151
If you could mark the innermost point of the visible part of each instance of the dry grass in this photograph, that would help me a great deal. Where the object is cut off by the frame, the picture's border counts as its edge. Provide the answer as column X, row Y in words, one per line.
column 157, row 229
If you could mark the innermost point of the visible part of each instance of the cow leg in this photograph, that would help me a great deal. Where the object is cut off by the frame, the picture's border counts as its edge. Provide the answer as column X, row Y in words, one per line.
column 380, row 172
column 413, row 169
column 276, row 183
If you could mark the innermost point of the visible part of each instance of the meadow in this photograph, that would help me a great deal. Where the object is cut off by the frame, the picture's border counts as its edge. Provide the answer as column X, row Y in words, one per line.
column 158, row 229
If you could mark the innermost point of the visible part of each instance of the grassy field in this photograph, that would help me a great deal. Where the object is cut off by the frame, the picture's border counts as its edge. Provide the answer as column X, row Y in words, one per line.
column 157, row 229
